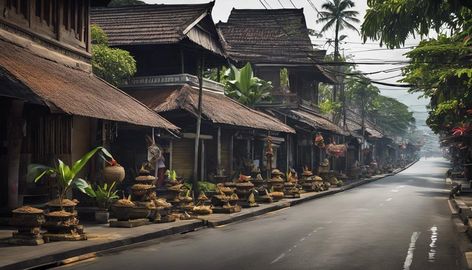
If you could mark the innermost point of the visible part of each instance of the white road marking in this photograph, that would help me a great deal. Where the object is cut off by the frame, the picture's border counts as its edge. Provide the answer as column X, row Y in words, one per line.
column 278, row 258
column 400, row 186
column 432, row 245
column 281, row 256
column 394, row 190
column 411, row 249
column 389, row 199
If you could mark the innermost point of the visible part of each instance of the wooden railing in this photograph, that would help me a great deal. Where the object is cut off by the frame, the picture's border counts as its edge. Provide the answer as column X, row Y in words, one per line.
column 161, row 80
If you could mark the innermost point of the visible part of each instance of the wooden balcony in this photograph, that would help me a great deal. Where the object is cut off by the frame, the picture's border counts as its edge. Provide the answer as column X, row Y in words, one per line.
column 175, row 79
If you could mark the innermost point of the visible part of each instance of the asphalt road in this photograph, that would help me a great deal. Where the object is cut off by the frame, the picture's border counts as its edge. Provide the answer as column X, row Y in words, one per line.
column 400, row 222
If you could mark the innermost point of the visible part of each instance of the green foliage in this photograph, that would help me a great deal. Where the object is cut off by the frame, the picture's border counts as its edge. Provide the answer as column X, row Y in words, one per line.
column 171, row 174
column 104, row 195
column 392, row 21
column 113, row 65
column 284, row 78
column 212, row 74
column 244, row 87
column 439, row 69
column 119, row 3
column 361, row 93
column 203, row 186
column 337, row 14
column 98, row 35
column 392, row 116
column 329, row 106
column 388, row 113
column 65, row 175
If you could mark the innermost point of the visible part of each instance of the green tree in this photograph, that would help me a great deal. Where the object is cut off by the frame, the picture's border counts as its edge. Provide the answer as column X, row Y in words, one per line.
column 391, row 22
column 244, row 87
column 119, row 3
column 111, row 64
column 441, row 70
column 337, row 14
column 392, row 116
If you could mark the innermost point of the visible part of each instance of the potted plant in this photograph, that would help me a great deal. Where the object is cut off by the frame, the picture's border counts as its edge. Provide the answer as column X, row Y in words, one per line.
column 104, row 196
column 61, row 220
column 67, row 176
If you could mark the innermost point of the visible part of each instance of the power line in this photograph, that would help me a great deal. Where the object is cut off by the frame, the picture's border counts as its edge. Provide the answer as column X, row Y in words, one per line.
column 280, row 3
column 262, row 3
column 268, row 4
column 293, row 4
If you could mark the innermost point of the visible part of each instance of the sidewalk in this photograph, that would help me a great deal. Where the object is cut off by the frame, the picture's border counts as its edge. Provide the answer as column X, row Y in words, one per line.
column 102, row 237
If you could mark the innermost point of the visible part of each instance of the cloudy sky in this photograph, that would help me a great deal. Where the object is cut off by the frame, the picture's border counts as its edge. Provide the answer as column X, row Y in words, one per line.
column 362, row 52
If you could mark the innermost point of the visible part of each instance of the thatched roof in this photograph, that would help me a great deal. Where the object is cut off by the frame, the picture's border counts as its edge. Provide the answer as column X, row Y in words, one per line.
column 158, row 24
column 68, row 89
column 216, row 107
column 315, row 120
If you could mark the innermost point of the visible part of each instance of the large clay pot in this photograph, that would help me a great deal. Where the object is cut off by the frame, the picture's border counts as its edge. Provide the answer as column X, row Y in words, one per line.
column 113, row 174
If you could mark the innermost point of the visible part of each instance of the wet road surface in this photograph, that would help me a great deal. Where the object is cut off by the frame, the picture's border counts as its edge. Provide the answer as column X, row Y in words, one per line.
column 399, row 222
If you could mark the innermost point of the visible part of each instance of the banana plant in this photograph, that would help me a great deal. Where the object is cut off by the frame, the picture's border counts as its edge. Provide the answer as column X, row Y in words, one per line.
column 244, row 87
column 65, row 175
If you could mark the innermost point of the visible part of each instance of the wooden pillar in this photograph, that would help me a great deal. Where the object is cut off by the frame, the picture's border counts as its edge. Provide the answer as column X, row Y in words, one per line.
column 14, row 137
column 199, row 123
column 287, row 152
column 231, row 152
column 171, row 153
column 182, row 61
column 218, row 149
column 312, row 156
column 202, row 161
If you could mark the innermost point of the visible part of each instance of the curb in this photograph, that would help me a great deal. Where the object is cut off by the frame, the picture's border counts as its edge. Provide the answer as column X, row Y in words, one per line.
column 54, row 259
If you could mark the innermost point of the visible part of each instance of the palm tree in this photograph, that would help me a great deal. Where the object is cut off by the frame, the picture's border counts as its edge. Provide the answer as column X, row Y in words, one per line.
column 337, row 14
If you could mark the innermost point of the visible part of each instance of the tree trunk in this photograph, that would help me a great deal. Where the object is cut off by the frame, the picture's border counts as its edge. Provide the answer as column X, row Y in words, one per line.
column 15, row 137
column 197, row 133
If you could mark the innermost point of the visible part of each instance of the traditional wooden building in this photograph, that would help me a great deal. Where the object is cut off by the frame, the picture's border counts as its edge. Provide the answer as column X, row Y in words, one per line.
column 277, row 44
column 171, row 44
column 51, row 105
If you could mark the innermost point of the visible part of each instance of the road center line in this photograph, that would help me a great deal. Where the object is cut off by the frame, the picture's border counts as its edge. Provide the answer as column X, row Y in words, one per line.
column 389, row 199
column 281, row 256
column 411, row 249
column 278, row 258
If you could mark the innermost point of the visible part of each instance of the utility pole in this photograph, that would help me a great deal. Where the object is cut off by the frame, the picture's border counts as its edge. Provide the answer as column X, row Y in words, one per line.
column 199, row 123
column 363, row 126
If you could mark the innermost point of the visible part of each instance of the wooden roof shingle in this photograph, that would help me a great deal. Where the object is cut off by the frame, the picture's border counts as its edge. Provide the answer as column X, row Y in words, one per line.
column 154, row 24
column 268, row 36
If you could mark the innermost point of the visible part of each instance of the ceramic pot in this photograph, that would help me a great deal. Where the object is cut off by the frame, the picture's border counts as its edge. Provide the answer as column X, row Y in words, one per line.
column 113, row 174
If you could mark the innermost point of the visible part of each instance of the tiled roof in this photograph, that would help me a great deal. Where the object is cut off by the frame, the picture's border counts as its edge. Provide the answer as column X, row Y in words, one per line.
column 154, row 24
column 268, row 36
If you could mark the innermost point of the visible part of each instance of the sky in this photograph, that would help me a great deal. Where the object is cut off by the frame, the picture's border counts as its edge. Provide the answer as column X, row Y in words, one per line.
column 370, row 51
